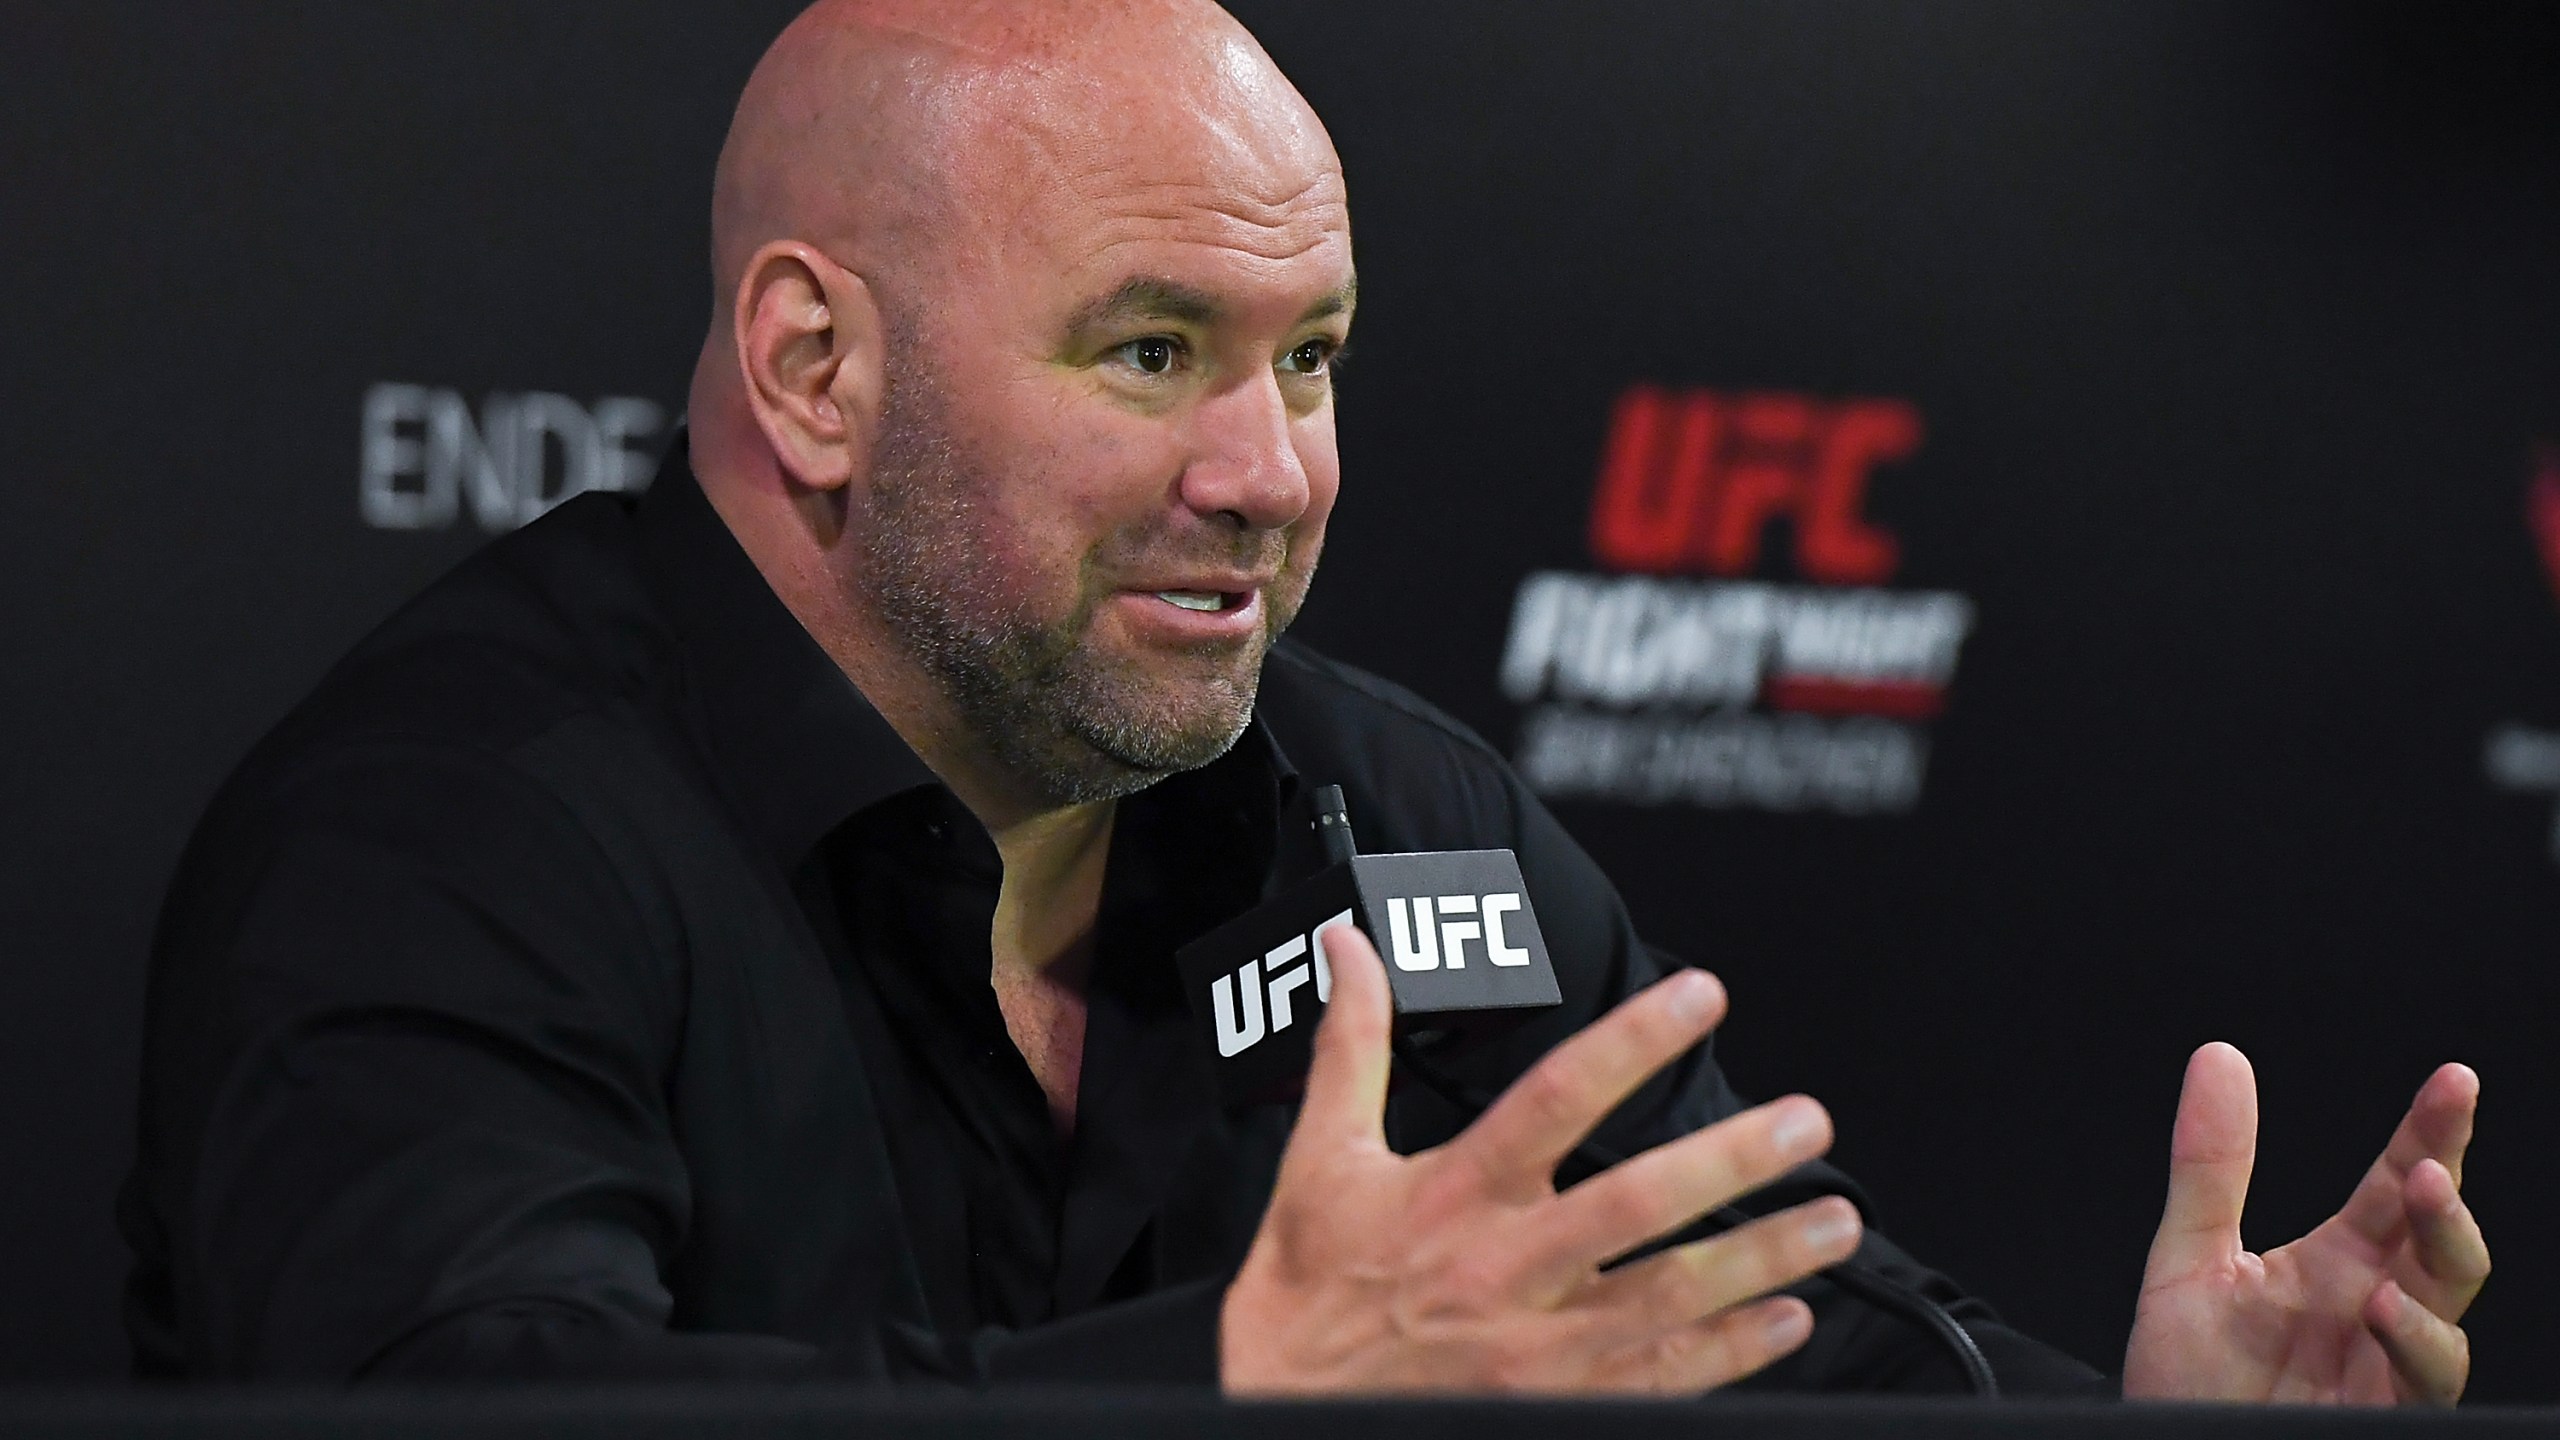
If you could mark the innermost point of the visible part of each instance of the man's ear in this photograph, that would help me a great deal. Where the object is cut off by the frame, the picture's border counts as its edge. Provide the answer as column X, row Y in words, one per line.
column 809, row 351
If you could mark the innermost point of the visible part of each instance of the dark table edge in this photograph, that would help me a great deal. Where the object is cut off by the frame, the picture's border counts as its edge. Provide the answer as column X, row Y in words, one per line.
column 689, row 1410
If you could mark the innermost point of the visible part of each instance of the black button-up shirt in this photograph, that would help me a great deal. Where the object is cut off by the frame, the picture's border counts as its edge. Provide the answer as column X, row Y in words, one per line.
column 586, row 981
column 994, row 1199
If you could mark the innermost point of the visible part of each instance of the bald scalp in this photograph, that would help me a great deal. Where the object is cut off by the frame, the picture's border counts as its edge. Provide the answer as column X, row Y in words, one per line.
column 871, row 128
column 933, row 220
column 910, row 141
column 840, row 139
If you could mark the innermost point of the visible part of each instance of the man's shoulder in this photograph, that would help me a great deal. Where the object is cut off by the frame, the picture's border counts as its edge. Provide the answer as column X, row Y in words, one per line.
column 1316, row 693
column 548, row 628
column 1428, row 780
column 549, row 620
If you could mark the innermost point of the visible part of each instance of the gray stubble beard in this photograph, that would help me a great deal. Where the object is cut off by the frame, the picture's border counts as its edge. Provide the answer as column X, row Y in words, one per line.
column 1055, row 715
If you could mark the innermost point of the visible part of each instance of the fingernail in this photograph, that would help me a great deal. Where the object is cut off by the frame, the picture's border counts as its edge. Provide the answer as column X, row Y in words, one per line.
column 1831, row 1227
column 1789, row 1324
column 1693, row 994
column 1798, row 1129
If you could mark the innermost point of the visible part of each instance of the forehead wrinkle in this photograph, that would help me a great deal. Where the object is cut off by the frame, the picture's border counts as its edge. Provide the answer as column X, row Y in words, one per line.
column 1271, row 246
column 1319, row 193
column 1207, row 214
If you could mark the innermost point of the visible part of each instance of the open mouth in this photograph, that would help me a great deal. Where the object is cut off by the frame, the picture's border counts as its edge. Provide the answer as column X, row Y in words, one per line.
column 1203, row 601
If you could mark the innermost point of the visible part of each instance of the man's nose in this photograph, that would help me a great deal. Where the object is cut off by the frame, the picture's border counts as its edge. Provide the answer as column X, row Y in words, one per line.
column 1244, row 459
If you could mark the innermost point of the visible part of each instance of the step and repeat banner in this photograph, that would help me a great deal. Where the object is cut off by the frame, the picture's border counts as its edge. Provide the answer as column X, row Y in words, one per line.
column 2025, row 537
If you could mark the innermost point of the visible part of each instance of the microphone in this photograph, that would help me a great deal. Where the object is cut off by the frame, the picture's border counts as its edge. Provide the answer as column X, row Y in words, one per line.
column 1464, row 956
column 1464, row 960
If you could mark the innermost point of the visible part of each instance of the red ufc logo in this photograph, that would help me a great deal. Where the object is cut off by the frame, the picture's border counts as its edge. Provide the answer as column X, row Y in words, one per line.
column 2542, row 510
column 1690, row 479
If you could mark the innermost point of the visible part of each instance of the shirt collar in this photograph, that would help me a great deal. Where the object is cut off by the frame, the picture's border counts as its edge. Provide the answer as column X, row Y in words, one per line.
column 799, row 748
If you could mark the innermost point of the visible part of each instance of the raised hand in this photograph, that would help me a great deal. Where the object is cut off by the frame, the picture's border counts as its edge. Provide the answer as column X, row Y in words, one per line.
column 1462, row 1268
column 2363, row 1310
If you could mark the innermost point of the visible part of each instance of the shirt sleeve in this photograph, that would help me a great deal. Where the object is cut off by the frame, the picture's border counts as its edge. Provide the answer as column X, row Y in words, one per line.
column 1856, row 1346
column 404, row 1113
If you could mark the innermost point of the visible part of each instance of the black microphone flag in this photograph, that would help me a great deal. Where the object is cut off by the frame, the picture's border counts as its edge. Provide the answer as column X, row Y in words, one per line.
column 1460, row 942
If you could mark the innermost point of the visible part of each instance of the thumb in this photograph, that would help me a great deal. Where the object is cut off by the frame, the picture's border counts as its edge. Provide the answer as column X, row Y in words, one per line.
column 1346, row 1093
column 2211, row 1151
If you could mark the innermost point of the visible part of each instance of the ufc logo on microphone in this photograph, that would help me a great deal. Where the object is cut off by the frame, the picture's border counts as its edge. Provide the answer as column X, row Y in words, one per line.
column 1237, row 1001
column 1417, row 943
column 1469, row 960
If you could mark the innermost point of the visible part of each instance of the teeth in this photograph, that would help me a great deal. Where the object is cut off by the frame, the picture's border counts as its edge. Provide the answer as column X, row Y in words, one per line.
column 1192, row 599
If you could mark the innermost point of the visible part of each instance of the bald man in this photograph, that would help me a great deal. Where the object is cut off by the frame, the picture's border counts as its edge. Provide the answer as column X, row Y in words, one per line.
column 729, row 934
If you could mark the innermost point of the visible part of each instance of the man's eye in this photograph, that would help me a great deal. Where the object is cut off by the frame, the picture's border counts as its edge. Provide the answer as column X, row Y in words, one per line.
column 1310, row 358
column 1154, row 355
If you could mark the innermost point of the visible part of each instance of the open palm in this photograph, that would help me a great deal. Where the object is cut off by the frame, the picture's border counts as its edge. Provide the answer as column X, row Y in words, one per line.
column 2363, row 1310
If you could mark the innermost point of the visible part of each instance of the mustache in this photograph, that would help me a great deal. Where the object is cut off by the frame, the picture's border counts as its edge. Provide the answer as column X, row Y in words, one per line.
column 1155, row 548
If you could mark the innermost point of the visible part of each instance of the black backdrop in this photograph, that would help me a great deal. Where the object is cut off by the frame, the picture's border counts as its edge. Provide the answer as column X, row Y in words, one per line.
column 2230, row 331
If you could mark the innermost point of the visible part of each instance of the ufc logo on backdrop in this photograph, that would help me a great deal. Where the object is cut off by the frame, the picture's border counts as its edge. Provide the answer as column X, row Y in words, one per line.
column 1237, row 1001
column 1690, row 479
column 1683, row 673
column 1416, row 943
column 2522, row 758
column 2542, row 510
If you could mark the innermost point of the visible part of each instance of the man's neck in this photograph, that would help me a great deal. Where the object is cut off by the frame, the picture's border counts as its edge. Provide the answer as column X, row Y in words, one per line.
column 1041, row 946
column 1041, row 942
column 792, row 537
column 1054, row 855
column 1053, row 871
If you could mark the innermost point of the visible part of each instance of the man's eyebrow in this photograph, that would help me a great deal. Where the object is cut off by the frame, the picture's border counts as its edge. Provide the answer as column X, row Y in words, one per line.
column 1147, row 297
column 1337, row 303
column 1150, row 297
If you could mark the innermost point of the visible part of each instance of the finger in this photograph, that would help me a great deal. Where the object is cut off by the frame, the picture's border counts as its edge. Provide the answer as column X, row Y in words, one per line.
column 1672, row 1184
column 1705, row 1354
column 1519, row 1140
column 1680, row 1286
column 2429, row 1354
column 2438, row 1128
column 2438, row 1125
column 1346, row 1094
column 2450, row 1250
column 2211, row 1150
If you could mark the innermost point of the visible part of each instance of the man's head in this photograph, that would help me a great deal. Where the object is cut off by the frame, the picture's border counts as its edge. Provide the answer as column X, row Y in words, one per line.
column 1019, row 382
